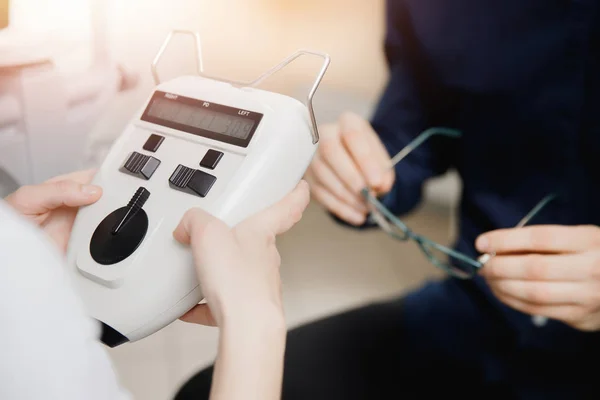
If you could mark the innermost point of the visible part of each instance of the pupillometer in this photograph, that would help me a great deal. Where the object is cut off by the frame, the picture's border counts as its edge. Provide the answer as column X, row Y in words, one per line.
column 199, row 141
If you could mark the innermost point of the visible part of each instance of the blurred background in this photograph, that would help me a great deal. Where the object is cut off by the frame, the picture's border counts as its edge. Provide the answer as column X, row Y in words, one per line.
column 73, row 72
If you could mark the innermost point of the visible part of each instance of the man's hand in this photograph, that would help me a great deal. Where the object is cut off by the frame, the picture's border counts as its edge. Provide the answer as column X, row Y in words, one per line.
column 238, row 268
column 350, row 158
column 53, row 205
column 551, row 271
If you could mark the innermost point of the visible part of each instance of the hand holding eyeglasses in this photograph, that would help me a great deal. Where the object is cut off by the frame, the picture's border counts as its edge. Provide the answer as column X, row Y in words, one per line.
column 546, row 271
column 551, row 271
column 350, row 158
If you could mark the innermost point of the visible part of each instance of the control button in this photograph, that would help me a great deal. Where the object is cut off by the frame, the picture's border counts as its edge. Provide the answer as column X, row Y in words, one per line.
column 153, row 143
column 181, row 177
column 141, row 165
column 192, row 181
column 211, row 159
column 201, row 183
column 120, row 234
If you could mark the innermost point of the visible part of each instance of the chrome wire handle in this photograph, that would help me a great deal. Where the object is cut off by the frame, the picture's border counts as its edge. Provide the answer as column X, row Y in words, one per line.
column 165, row 45
column 257, row 81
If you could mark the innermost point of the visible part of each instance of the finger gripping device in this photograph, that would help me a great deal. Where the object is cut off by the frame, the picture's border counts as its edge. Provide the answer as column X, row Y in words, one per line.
column 199, row 141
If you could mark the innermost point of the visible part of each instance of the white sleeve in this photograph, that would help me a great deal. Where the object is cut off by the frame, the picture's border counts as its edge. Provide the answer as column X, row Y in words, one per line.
column 49, row 348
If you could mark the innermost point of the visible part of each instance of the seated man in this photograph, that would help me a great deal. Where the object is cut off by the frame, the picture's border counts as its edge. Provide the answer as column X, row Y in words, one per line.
column 519, row 79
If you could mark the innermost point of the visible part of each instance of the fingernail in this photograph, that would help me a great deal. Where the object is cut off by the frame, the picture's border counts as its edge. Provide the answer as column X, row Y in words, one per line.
column 482, row 244
column 90, row 190
column 356, row 218
column 362, row 208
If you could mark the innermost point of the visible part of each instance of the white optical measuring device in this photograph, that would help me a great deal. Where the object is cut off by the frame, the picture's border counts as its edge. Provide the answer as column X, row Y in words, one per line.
column 200, row 141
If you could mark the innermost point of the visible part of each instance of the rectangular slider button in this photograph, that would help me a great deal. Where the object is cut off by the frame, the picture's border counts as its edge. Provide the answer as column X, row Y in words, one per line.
column 192, row 181
column 153, row 143
column 140, row 165
column 211, row 159
column 201, row 183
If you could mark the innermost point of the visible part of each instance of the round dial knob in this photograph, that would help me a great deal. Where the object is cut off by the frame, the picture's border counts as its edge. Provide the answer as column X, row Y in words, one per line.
column 120, row 234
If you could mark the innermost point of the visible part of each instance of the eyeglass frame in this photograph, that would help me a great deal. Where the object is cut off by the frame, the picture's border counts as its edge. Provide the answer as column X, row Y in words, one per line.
column 425, row 244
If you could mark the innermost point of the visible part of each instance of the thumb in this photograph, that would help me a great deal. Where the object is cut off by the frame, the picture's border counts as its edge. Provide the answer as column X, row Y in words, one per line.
column 282, row 216
column 83, row 177
column 194, row 226
column 38, row 199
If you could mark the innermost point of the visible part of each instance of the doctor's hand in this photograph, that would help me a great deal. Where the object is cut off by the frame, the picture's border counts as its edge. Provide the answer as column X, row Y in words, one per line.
column 238, row 268
column 350, row 157
column 551, row 271
column 53, row 205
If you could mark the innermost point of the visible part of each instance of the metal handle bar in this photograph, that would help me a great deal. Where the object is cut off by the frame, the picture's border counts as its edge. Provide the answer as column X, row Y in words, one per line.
column 257, row 81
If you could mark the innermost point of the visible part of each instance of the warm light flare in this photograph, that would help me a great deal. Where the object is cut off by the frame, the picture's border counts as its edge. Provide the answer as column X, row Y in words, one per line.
column 61, row 17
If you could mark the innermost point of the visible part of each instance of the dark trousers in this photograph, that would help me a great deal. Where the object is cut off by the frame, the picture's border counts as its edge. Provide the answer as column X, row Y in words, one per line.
column 417, row 348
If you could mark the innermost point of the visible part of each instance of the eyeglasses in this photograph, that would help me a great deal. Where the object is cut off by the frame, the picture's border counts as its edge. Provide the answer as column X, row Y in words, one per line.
column 453, row 262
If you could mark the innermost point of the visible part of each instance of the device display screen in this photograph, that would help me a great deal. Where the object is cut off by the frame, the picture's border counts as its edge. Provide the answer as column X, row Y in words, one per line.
column 215, row 121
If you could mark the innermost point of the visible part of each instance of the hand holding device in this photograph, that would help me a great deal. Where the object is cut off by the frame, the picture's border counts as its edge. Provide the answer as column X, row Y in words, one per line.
column 351, row 157
column 199, row 142
column 238, row 268
column 547, row 271
column 53, row 205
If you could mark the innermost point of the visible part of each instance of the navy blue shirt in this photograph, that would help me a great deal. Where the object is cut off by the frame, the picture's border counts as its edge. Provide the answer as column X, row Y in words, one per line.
column 521, row 80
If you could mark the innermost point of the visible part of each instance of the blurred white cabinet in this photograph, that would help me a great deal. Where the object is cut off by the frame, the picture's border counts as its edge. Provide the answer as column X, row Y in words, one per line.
column 45, row 117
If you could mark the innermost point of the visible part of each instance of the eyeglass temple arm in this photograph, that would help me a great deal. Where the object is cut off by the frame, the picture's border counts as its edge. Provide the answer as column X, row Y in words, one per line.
column 419, row 140
column 484, row 258
column 536, row 210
